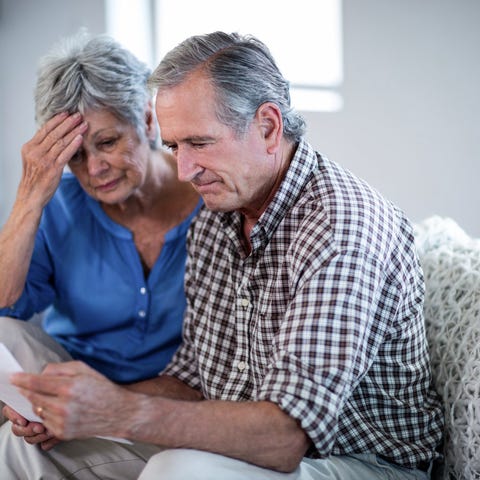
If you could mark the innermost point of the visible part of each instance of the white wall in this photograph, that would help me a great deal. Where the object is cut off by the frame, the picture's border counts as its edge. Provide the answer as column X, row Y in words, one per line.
column 411, row 120
column 410, row 123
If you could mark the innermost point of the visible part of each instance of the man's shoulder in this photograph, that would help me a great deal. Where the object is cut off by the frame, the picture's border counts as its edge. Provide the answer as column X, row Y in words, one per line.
column 355, row 215
column 338, row 187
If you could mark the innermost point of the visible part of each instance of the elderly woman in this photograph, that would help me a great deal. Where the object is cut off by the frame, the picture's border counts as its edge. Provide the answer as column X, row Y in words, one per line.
column 101, row 249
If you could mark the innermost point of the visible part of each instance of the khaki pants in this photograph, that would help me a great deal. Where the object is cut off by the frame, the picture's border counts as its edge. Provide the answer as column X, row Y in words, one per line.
column 185, row 464
column 88, row 459
column 96, row 458
column 30, row 345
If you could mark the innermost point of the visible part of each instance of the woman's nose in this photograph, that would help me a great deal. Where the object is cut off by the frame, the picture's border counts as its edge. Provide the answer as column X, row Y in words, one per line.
column 96, row 165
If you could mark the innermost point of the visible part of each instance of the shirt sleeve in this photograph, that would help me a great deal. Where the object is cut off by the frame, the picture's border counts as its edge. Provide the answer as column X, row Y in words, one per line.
column 328, row 340
column 184, row 365
column 38, row 292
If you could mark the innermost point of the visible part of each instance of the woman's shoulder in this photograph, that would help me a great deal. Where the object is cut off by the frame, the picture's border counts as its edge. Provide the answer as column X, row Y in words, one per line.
column 68, row 199
column 70, row 188
column 69, row 182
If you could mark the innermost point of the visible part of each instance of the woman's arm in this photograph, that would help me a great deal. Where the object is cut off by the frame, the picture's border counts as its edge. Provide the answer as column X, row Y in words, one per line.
column 44, row 158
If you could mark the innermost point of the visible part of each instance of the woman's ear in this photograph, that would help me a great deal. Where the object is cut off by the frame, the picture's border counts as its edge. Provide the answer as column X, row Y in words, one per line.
column 270, row 120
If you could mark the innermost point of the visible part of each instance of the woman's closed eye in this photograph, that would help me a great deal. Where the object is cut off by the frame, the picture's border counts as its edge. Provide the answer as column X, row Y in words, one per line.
column 77, row 157
column 107, row 143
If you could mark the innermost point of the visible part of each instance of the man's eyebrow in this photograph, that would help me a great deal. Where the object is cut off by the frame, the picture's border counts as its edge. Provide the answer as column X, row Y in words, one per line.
column 191, row 139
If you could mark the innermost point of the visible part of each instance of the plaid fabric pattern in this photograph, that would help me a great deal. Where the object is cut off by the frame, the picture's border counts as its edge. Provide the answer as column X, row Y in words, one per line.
column 323, row 318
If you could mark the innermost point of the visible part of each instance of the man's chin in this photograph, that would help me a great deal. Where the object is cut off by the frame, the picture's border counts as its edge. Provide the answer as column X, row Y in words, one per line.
column 216, row 206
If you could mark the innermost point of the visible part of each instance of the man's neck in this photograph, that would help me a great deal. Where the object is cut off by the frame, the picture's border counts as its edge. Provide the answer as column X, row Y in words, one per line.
column 251, row 216
column 247, row 226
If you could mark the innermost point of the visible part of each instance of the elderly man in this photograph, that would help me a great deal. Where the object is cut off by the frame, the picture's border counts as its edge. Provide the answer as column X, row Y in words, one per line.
column 304, row 353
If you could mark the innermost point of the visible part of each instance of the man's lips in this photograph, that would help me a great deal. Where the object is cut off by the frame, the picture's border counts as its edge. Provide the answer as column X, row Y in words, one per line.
column 203, row 183
column 205, row 187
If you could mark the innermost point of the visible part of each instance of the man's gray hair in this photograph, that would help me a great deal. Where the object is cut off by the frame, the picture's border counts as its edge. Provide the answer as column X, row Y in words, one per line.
column 244, row 75
column 86, row 72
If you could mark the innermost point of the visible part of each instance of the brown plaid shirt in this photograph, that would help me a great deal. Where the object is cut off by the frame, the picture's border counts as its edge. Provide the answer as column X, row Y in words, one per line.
column 324, row 318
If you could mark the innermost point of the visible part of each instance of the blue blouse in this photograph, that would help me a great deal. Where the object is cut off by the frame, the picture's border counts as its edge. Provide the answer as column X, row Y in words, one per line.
column 87, row 272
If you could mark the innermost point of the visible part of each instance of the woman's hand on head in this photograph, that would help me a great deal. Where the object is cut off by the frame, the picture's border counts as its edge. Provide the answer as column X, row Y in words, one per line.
column 46, row 154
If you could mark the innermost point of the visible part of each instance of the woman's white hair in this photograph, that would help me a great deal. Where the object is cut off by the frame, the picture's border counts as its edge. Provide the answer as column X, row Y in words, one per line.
column 86, row 72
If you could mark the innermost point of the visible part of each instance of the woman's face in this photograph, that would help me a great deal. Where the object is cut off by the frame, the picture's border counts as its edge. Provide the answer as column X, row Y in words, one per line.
column 112, row 162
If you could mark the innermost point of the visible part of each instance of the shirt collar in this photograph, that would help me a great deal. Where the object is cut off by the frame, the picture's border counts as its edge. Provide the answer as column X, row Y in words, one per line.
column 303, row 164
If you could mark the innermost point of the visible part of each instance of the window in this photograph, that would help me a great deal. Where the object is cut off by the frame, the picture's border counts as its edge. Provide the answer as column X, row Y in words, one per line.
column 305, row 41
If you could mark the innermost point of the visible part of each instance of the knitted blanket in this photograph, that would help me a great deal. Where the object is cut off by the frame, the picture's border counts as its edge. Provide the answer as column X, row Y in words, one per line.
column 451, row 265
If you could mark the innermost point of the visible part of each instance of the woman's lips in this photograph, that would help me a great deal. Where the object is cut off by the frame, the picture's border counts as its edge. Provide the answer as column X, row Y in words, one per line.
column 108, row 186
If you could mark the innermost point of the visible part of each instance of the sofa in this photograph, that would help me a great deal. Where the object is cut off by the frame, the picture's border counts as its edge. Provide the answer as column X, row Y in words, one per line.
column 451, row 263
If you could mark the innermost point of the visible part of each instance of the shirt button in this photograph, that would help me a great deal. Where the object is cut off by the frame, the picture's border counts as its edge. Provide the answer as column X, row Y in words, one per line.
column 245, row 302
column 241, row 366
column 143, row 290
column 142, row 313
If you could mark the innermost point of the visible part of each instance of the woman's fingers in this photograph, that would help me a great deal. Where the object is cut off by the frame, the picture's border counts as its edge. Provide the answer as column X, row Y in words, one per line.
column 57, row 140
column 56, row 128
column 47, row 153
column 14, row 416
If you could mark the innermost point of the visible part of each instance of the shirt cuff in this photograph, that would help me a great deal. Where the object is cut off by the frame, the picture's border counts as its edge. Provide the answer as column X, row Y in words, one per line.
column 314, row 407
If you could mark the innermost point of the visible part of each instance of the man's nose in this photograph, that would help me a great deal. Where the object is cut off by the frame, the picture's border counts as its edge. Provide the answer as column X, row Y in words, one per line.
column 187, row 167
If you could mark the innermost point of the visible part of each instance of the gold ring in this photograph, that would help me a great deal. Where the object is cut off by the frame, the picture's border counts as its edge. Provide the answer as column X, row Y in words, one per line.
column 39, row 411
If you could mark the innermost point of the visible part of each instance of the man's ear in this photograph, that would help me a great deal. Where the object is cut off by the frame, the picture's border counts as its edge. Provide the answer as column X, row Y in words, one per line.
column 269, row 118
column 150, row 124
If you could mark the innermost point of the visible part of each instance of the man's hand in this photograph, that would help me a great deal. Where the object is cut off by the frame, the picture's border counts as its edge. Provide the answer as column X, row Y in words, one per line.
column 75, row 401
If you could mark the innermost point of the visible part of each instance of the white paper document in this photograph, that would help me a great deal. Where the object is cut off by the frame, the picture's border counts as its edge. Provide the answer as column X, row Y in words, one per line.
column 8, row 392
column 13, row 398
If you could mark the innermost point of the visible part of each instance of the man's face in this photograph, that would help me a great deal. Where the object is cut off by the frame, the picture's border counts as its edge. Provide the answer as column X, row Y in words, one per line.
column 230, row 173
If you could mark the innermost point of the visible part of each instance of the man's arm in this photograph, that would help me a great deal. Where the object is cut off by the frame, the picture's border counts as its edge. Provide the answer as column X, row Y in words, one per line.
column 166, row 386
column 256, row 432
column 36, row 433
column 78, row 402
